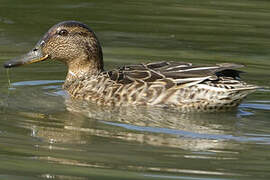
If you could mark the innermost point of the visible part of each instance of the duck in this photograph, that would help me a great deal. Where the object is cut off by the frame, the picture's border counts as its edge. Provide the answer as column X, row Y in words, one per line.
column 170, row 84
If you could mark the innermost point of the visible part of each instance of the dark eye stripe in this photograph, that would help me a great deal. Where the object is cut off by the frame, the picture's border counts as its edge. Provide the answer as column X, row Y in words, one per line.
column 63, row 32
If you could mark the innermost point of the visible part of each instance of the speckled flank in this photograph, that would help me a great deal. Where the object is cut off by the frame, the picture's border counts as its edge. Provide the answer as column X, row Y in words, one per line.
column 202, row 97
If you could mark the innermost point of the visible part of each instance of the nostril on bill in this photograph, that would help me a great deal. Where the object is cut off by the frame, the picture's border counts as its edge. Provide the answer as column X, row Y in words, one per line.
column 7, row 65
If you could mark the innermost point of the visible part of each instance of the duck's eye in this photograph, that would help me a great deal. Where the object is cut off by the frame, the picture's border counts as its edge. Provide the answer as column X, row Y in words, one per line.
column 63, row 32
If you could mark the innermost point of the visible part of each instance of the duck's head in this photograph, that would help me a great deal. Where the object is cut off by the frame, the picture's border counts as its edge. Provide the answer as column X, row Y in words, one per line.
column 71, row 42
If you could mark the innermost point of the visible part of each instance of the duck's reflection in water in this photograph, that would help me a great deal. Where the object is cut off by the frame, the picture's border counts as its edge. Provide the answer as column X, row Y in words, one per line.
column 147, row 125
column 83, row 134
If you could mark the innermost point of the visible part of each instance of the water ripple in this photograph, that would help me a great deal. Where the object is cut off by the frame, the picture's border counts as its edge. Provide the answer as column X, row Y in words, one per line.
column 36, row 83
column 188, row 134
column 255, row 106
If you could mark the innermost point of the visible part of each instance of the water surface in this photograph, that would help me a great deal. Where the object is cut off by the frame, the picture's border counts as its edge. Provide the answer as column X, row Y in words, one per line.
column 45, row 135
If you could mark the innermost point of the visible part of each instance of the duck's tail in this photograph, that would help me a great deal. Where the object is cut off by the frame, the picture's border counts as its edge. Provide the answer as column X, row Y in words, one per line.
column 205, row 97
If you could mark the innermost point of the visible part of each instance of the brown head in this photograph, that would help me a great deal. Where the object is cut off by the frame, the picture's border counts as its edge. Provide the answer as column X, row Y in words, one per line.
column 71, row 42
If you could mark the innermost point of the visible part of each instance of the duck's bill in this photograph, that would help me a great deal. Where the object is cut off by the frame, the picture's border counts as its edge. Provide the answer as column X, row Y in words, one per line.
column 29, row 58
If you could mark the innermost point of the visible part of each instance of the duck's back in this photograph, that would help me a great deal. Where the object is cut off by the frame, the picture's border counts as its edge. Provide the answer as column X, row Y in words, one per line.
column 176, row 84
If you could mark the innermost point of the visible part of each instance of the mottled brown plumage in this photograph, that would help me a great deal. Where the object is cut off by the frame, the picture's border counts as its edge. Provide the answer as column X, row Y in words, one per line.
column 170, row 84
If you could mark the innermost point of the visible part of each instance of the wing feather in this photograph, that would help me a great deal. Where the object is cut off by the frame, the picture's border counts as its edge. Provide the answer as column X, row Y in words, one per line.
column 181, row 73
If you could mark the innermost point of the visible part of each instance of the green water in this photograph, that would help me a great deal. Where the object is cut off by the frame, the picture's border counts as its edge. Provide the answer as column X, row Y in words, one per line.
column 44, row 135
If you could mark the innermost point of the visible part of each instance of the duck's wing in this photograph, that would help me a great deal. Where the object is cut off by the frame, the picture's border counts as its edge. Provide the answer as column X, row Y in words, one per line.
column 177, row 73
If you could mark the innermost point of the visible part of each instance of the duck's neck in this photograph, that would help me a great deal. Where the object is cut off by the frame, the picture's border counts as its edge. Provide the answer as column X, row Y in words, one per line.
column 82, row 67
